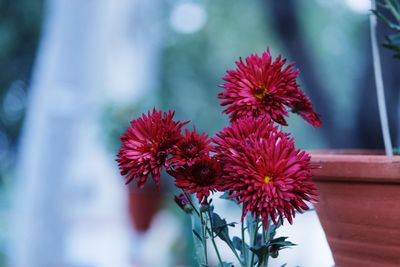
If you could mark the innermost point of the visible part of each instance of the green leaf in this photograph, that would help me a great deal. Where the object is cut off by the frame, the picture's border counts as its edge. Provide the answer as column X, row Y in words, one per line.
column 393, row 39
column 395, row 5
column 381, row 3
column 393, row 42
column 197, row 235
column 281, row 242
column 272, row 230
column 391, row 24
column 225, row 196
column 225, row 264
column 392, row 47
column 271, row 248
column 261, row 252
column 220, row 228
column 197, row 240
column 237, row 243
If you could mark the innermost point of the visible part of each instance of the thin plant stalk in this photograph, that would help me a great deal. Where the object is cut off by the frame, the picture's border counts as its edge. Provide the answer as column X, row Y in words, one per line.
column 195, row 226
column 254, row 242
column 204, row 224
column 191, row 203
column 244, row 252
column 268, row 235
column 197, row 243
column 265, row 263
column 236, row 255
column 217, row 252
column 379, row 83
column 204, row 236
column 265, row 239
column 213, row 240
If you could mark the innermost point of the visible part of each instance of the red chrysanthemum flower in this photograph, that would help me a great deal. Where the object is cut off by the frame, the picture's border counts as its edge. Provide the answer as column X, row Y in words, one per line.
column 146, row 145
column 202, row 178
column 261, row 86
column 190, row 148
column 230, row 139
column 271, row 178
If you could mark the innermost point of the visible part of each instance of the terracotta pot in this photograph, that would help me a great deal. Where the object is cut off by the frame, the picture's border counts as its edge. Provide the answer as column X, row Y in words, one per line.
column 359, row 206
column 143, row 206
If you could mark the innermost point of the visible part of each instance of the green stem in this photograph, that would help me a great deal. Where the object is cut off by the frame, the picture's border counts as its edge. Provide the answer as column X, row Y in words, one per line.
column 200, row 255
column 254, row 242
column 236, row 255
column 203, row 231
column 191, row 203
column 266, row 261
column 217, row 251
column 232, row 248
column 244, row 252
column 197, row 243
column 213, row 240
column 206, row 229
column 264, row 240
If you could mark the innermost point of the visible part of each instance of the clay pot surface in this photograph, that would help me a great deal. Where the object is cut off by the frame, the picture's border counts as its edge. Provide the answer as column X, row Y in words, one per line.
column 359, row 206
column 143, row 206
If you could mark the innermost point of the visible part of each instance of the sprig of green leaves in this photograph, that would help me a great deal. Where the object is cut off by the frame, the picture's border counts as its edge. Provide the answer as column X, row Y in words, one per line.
column 392, row 41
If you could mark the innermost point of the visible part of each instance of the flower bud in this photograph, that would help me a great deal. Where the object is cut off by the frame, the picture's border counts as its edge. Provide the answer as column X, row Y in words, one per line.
column 183, row 202
column 204, row 207
column 274, row 251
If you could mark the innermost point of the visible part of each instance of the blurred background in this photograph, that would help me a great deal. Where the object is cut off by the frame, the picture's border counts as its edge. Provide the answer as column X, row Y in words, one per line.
column 74, row 73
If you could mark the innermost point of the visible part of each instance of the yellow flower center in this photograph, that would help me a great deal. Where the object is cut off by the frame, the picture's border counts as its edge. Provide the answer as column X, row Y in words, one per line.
column 267, row 179
column 260, row 92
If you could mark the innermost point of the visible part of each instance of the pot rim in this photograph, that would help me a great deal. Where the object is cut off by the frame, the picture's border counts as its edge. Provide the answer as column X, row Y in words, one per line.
column 358, row 165
column 353, row 155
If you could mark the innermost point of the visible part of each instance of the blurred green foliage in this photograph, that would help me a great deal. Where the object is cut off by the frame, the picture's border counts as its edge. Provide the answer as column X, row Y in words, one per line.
column 193, row 64
column 20, row 23
column 393, row 21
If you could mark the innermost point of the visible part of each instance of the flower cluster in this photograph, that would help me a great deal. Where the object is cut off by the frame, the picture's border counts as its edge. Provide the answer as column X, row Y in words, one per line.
column 155, row 141
column 252, row 160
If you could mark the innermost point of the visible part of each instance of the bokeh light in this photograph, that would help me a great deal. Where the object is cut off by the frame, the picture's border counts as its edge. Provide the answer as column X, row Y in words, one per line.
column 188, row 17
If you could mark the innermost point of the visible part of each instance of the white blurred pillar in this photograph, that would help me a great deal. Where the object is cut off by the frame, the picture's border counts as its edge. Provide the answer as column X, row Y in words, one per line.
column 70, row 208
